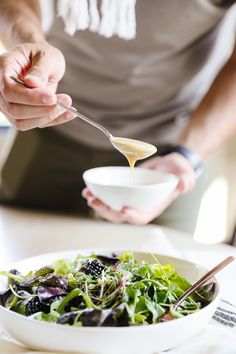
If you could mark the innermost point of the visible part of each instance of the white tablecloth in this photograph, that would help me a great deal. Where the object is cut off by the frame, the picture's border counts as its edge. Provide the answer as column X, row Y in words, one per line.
column 24, row 234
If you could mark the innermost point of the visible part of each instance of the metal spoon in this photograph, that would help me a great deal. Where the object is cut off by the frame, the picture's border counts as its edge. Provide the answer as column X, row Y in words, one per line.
column 168, row 315
column 132, row 149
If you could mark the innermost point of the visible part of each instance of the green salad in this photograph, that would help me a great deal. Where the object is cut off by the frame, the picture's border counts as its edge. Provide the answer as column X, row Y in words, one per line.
column 101, row 290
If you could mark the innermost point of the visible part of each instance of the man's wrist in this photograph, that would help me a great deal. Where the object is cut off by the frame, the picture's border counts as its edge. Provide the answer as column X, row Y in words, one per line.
column 27, row 34
column 190, row 155
column 36, row 37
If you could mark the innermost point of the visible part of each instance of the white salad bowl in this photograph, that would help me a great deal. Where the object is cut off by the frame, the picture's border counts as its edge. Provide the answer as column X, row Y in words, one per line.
column 118, row 187
column 144, row 339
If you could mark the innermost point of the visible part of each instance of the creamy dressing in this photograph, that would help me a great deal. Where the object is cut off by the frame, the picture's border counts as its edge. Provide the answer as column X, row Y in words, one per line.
column 133, row 150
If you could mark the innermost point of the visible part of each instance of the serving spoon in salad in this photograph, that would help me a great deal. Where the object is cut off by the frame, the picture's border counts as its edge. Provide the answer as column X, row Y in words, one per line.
column 132, row 149
column 168, row 316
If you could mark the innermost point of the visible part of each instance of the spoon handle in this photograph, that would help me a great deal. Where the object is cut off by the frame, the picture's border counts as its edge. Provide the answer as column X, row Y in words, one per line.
column 203, row 280
column 86, row 119
column 73, row 110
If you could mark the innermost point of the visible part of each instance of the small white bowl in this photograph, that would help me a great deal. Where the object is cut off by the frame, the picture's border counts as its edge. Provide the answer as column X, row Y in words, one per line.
column 118, row 188
column 149, row 339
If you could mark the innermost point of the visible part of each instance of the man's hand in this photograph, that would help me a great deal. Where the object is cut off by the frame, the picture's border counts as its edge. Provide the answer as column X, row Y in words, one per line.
column 172, row 163
column 41, row 67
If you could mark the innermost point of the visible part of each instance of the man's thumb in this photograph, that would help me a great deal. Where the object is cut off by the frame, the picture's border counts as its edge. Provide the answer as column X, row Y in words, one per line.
column 38, row 74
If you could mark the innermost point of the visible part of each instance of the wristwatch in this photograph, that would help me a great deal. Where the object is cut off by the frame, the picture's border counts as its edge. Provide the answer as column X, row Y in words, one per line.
column 190, row 155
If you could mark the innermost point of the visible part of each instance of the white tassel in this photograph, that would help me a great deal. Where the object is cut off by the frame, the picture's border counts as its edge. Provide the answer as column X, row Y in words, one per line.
column 126, row 23
column 94, row 16
column 62, row 7
column 108, row 18
column 66, row 11
column 83, row 18
column 117, row 17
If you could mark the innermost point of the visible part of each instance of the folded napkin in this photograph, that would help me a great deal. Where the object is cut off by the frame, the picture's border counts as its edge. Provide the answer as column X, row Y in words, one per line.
column 225, row 316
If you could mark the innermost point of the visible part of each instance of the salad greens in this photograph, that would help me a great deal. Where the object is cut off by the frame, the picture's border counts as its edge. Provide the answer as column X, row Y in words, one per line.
column 99, row 290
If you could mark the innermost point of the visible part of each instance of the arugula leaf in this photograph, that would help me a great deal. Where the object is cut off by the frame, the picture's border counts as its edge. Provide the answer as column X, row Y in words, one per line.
column 62, row 266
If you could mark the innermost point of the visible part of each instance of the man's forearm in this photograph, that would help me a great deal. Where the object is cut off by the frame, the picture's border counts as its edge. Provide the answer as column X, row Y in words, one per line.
column 215, row 118
column 20, row 21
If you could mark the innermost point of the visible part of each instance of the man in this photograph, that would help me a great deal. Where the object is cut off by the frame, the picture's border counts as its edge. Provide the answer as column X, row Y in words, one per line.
column 171, row 84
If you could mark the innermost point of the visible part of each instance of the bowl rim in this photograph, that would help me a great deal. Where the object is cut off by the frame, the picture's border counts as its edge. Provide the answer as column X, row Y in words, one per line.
column 173, row 178
column 110, row 329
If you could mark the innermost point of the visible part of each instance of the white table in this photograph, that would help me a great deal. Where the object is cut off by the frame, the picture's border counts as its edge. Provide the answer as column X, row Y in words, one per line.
column 27, row 233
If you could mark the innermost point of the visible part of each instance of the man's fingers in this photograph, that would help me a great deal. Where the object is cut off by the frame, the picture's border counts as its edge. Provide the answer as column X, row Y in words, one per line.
column 129, row 215
column 13, row 92
column 34, row 103
column 86, row 193
column 27, row 124
column 67, row 116
column 151, row 163
column 21, row 111
column 63, row 118
column 186, row 183
column 136, row 217
column 97, row 204
column 25, row 117
column 104, row 211
column 30, row 123
column 39, row 72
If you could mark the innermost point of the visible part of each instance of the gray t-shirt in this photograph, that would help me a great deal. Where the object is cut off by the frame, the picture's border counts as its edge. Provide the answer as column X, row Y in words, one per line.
column 145, row 88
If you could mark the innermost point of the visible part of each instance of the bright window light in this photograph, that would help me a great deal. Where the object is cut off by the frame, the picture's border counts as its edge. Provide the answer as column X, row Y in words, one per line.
column 212, row 219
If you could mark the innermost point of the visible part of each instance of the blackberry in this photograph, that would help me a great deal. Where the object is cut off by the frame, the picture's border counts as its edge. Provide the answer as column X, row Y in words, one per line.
column 94, row 268
column 45, row 304
column 33, row 306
